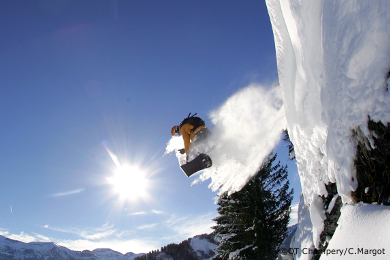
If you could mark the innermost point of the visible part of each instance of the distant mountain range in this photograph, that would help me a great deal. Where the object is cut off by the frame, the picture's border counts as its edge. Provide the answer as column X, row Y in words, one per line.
column 201, row 247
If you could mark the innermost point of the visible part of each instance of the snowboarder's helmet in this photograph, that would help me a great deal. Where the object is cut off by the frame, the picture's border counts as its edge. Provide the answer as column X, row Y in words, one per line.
column 175, row 130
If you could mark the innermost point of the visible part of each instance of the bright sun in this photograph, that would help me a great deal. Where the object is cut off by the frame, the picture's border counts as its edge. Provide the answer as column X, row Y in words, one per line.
column 129, row 182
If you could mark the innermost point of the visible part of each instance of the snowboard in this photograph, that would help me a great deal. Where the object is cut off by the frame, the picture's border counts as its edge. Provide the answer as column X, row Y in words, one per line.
column 202, row 161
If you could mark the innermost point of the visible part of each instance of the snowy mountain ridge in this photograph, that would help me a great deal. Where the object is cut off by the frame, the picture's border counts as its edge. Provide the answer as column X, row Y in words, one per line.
column 16, row 250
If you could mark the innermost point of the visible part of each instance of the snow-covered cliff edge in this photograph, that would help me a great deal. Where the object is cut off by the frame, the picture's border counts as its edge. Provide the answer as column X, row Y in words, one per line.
column 333, row 62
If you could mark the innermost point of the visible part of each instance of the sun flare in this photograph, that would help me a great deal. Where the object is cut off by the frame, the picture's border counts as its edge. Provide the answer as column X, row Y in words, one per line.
column 129, row 182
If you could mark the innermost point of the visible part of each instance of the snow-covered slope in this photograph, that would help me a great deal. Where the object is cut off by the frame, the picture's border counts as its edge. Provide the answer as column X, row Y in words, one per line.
column 16, row 250
column 333, row 59
column 201, row 247
column 363, row 233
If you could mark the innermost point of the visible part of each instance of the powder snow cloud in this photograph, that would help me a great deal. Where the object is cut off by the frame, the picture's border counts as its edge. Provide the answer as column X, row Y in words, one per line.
column 246, row 128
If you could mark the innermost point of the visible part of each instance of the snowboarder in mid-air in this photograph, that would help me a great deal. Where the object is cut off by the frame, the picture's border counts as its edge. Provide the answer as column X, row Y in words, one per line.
column 193, row 131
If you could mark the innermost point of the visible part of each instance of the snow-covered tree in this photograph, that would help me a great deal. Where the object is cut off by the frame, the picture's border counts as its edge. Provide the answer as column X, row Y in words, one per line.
column 252, row 222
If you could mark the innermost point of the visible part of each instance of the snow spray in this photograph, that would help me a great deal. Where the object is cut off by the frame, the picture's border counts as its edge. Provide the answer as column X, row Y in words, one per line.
column 245, row 130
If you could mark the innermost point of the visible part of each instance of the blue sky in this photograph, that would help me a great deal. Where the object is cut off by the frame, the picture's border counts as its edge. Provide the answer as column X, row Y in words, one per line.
column 80, row 80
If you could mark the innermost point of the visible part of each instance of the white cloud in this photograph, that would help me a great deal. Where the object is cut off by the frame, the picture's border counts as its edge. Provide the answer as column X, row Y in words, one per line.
column 174, row 219
column 157, row 212
column 104, row 231
column 137, row 213
column 124, row 234
column 189, row 226
column 41, row 238
column 149, row 226
column 4, row 232
column 66, row 193
column 122, row 246
column 22, row 237
column 97, row 235
column 153, row 211
column 107, row 236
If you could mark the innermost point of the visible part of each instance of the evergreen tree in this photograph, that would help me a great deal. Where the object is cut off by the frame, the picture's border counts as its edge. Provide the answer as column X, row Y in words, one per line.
column 252, row 222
